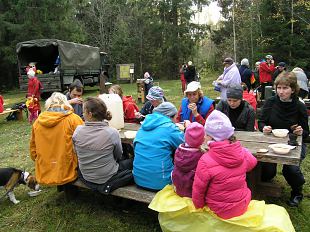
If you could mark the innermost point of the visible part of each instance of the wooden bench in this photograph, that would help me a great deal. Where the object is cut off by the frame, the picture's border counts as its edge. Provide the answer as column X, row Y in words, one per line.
column 131, row 192
column 19, row 113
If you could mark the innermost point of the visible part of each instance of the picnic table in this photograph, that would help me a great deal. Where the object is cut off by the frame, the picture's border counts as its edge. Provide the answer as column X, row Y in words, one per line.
column 251, row 140
column 254, row 141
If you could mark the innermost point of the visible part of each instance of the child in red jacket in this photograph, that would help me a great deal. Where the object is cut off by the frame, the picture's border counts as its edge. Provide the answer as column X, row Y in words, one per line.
column 129, row 106
column 220, row 179
column 33, row 96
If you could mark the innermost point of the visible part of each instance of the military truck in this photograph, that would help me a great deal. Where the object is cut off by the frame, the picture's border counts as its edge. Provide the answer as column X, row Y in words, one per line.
column 75, row 61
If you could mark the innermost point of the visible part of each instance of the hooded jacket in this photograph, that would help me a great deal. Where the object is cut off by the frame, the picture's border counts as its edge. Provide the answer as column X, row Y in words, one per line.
column 185, row 163
column 220, row 179
column 154, row 145
column 129, row 107
column 34, row 87
column 265, row 72
column 51, row 147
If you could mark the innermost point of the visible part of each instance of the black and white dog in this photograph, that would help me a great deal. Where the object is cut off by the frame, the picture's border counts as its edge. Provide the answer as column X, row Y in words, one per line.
column 12, row 177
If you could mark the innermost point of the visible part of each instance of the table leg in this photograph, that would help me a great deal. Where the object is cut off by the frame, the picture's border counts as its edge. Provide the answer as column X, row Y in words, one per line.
column 261, row 189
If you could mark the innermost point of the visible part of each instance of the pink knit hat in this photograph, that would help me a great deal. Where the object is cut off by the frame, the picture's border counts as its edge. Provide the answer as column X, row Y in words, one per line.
column 218, row 126
column 194, row 135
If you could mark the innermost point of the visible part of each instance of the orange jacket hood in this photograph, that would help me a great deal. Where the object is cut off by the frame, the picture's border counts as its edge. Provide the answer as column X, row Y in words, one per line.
column 51, row 118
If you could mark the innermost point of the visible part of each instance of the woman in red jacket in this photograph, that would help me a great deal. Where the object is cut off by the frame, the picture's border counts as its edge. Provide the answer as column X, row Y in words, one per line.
column 266, row 70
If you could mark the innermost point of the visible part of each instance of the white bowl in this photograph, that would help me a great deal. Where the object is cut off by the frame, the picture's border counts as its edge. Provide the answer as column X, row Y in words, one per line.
column 281, row 133
column 281, row 148
column 34, row 193
column 130, row 134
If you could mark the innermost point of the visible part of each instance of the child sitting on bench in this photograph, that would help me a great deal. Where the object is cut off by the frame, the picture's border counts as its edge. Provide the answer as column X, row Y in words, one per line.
column 220, row 179
column 186, row 159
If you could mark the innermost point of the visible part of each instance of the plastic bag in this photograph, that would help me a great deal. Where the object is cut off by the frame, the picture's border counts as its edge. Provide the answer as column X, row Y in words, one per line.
column 179, row 214
column 217, row 87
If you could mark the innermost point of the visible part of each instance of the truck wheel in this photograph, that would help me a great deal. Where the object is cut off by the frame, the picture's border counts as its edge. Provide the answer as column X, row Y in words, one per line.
column 46, row 95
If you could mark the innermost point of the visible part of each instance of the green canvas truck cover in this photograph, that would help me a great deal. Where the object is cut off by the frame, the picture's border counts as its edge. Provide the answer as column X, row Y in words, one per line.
column 72, row 55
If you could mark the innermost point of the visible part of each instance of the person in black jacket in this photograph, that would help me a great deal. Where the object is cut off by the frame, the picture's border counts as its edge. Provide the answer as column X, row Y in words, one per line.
column 240, row 113
column 285, row 111
column 279, row 69
column 190, row 72
column 245, row 73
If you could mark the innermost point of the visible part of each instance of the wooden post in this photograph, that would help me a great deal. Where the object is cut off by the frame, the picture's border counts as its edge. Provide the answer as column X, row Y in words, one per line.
column 102, row 83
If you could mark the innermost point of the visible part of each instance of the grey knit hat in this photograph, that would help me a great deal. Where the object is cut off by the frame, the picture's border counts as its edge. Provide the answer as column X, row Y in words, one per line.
column 235, row 91
column 166, row 108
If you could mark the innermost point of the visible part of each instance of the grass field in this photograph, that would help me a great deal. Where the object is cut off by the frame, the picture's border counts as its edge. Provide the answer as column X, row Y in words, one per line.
column 93, row 212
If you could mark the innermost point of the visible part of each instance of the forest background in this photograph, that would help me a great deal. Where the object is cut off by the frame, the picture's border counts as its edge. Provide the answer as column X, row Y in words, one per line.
column 159, row 35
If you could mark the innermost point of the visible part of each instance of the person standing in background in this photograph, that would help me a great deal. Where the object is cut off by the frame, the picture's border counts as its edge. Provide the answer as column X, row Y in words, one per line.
column 279, row 69
column 266, row 69
column 245, row 73
column 183, row 81
column 148, row 82
column 1, row 104
column 302, row 81
column 230, row 76
column 255, row 82
column 190, row 72
column 33, row 96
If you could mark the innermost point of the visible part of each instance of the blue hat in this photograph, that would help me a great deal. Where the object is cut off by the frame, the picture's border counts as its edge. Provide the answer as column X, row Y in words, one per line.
column 155, row 93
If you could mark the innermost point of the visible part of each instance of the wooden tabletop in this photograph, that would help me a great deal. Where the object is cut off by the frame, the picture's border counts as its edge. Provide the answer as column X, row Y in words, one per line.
column 251, row 140
column 257, row 140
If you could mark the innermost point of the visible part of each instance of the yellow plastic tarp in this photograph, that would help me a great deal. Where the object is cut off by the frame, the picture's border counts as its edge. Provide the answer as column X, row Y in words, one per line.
column 179, row 214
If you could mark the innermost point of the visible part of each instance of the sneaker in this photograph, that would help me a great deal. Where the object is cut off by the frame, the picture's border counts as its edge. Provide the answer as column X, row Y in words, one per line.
column 295, row 200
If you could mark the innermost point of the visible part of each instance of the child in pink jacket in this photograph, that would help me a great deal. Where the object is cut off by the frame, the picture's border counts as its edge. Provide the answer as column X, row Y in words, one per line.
column 220, row 179
column 186, row 159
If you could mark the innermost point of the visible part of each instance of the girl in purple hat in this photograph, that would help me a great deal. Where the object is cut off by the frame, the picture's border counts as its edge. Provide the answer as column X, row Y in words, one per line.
column 186, row 159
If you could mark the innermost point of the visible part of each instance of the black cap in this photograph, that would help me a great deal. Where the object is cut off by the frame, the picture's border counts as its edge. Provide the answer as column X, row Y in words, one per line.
column 228, row 60
column 282, row 64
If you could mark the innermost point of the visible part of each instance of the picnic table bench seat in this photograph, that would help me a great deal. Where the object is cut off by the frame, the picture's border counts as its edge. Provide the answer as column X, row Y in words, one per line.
column 131, row 192
column 18, row 111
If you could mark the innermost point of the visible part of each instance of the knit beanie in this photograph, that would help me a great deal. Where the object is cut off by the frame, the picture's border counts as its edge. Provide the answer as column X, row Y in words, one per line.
column 218, row 126
column 166, row 108
column 234, row 91
column 194, row 135
column 155, row 93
